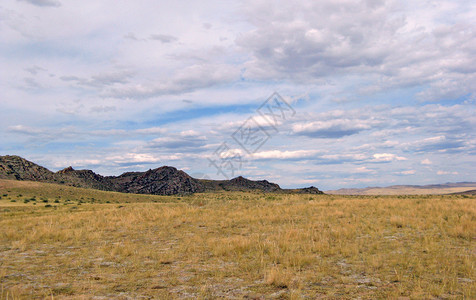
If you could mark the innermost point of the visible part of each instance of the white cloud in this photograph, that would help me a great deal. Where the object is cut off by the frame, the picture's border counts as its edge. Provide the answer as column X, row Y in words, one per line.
column 387, row 157
column 426, row 161
column 134, row 158
column 185, row 141
column 440, row 143
column 341, row 158
column 364, row 170
column 407, row 172
column 277, row 154
column 447, row 173
column 358, row 72
column 336, row 128
column 307, row 40
column 50, row 134
column 191, row 78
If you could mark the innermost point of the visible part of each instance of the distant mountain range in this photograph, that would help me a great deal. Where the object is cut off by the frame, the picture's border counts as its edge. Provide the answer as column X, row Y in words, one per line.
column 161, row 181
column 467, row 188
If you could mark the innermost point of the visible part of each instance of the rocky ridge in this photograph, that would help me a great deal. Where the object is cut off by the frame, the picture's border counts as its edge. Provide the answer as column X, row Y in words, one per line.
column 160, row 181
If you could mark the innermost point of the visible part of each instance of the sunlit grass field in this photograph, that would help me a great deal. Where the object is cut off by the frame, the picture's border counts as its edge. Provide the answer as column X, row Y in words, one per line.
column 67, row 243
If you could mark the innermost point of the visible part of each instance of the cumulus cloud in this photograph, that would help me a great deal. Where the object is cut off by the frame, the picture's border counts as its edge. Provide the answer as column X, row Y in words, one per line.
column 364, row 170
column 438, row 143
column 389, row 43
column 447, row 173
column 100, row 80
column 387, row 157
column 331, row 129
column 311, row 39
column 73, row 133
column 341, row 158
column 407, row 172
column 426, row 161
column 25, row 130
column 187, row 80
column 134, row 158
column 374, row 82
column 186, row 141
column 277, row 154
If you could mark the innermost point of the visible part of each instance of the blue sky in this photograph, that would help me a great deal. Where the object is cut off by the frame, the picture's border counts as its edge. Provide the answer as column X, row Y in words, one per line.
column 378, row 92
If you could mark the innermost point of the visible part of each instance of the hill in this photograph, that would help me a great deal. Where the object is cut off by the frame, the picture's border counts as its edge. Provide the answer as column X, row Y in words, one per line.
column 165, row 180
column 432, row 189
column 15, row 167
column 160, row 181
column 240, row 184
column 470, row 192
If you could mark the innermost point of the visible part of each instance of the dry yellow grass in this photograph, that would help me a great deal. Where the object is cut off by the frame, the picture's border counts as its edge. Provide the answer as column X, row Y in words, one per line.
column 234, row 245
column 404, row 191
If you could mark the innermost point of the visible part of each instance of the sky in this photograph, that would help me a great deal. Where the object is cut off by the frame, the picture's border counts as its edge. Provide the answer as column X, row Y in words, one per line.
column 330, row 93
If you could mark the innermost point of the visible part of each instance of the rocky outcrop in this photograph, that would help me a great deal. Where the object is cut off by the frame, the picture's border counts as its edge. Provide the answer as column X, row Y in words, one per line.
column 308, row 190
column 15, row 167
column 67, row 170
column 84, row 178
column 161, row 181
column 240, row 184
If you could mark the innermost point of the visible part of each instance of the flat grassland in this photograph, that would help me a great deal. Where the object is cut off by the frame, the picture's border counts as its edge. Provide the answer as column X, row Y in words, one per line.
column 67, row 243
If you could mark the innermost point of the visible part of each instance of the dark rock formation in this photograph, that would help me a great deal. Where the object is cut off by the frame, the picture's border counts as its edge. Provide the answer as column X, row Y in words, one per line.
column 84, row 178
column 242, row 184
column 161, row 181
column 15, row 167
column 308, row 190
column 239, row 184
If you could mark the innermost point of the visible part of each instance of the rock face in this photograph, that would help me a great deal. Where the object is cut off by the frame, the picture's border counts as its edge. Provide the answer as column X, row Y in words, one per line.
column 241, row 184
column 15, row 167
column 84, row 178
column 309, row 190
column 161, row 181
column 263, row 185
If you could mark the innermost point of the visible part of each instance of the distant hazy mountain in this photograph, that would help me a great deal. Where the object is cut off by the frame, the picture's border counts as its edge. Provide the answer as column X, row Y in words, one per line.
column 432, row 189
column 161, row 181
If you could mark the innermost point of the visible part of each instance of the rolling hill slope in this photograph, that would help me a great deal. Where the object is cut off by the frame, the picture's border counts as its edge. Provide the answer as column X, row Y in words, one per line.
column 433, row 189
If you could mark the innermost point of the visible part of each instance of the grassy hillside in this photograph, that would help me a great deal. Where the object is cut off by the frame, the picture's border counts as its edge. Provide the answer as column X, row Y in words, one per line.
column 17, row 192
column 233, row 245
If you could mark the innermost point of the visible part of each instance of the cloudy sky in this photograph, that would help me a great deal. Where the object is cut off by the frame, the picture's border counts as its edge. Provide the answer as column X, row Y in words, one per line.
column 374, row 92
